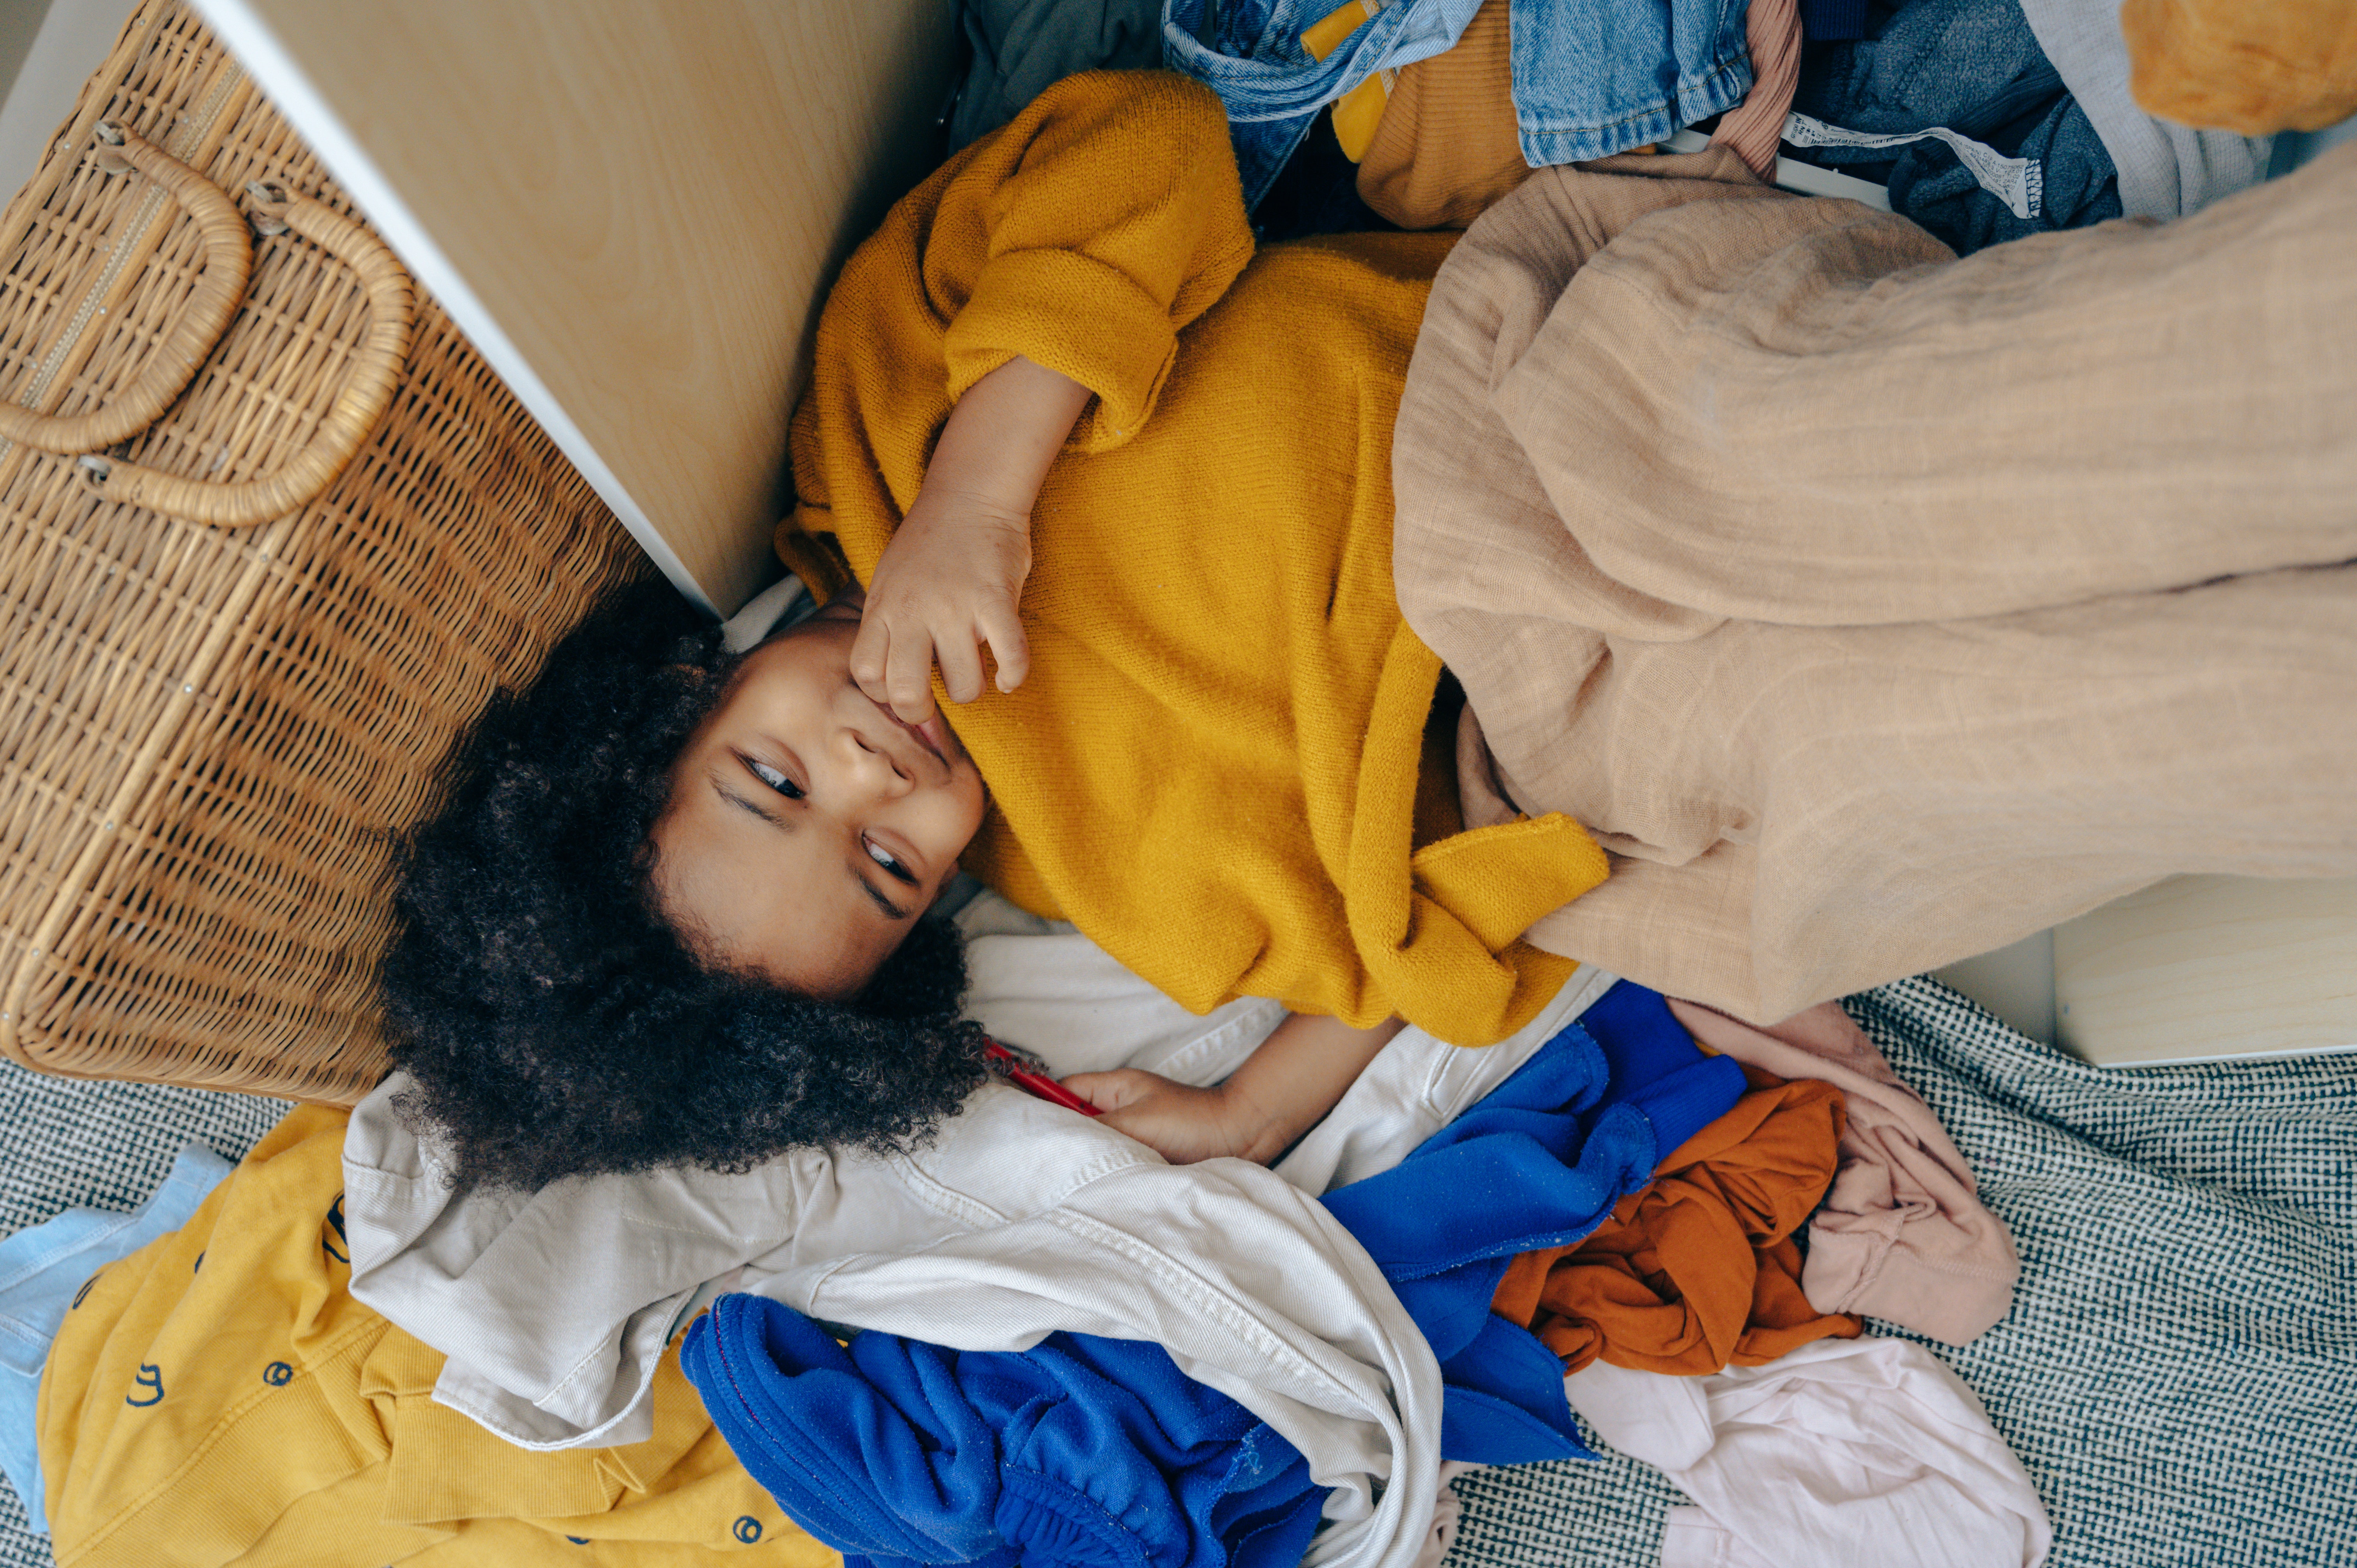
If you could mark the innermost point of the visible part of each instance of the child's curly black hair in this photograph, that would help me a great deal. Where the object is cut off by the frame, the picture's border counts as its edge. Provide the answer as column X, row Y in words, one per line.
column 556, row 1024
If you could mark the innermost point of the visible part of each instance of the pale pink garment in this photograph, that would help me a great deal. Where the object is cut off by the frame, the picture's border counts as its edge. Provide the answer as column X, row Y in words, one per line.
column 1843, row 1454
column 1903, row 1234
column 1754, row 127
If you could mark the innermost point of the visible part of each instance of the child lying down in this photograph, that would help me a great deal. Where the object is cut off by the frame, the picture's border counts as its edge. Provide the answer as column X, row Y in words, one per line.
column 1064, row 422
column 674, row 909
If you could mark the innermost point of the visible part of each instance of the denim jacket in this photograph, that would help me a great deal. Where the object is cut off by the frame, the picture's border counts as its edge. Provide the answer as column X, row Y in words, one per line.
column 1591, row 77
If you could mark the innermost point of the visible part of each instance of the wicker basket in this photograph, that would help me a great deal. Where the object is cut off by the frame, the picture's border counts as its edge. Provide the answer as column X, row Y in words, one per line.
column 270, row 536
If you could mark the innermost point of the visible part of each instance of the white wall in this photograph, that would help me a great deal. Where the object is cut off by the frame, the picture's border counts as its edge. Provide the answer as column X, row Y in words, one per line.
column 63, row 41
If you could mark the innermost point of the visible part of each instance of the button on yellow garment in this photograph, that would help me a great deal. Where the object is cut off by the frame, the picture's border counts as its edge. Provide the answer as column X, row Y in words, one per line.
column 1213, row 767
column 218, row 1397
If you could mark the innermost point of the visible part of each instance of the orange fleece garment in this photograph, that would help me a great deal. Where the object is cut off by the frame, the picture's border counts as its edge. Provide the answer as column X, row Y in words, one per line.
column 1212, row 768
column 1697, row 1270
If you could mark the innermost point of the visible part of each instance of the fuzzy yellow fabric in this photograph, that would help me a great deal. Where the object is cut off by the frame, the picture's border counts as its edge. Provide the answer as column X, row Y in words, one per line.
column 218, row 1397
column 2256, row 67
column 1212, row 768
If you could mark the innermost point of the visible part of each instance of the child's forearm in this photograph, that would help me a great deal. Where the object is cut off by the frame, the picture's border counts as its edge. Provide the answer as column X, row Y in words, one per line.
column 999, row 441
column 1299, row 1074
column 952, row 579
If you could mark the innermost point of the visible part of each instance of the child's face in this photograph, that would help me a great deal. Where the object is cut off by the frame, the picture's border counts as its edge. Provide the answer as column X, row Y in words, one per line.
column 808, row 827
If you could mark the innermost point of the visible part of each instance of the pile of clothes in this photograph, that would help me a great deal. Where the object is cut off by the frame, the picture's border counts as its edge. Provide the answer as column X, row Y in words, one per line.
column 1032, row 1340
column 1987, row 119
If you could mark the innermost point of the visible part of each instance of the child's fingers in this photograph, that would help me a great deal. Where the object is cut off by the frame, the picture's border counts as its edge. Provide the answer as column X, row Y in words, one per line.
column 961, row 659
column 1002, row 628
column 908, row 675
column 869, row 651
column 1109, row 1091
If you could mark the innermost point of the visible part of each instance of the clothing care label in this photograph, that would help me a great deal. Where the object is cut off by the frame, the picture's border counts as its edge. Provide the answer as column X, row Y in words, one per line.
column 2019, row 183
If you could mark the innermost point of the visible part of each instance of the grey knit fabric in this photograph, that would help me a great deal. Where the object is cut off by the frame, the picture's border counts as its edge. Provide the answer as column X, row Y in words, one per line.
column 2179, row 1373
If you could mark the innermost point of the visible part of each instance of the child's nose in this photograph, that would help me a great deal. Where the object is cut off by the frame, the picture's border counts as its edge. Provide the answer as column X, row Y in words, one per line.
column 872, row 771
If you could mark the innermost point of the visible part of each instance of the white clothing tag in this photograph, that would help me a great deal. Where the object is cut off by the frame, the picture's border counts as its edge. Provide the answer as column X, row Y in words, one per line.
column 2019, row 183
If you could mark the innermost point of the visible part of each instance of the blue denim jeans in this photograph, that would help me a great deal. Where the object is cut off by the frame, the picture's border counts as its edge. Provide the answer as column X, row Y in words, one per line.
column 1974, row 67
column 43, row 1270
column 1591, row 77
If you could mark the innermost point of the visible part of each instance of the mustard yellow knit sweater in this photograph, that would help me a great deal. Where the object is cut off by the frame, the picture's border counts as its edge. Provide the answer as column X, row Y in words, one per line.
column 1212, row 768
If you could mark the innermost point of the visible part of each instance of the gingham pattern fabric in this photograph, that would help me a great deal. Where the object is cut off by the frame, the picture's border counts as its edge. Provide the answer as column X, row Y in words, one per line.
column 2179, row 1373
column 67, row 1144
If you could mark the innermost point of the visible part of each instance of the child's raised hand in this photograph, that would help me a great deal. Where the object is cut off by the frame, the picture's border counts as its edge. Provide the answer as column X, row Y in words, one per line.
column 950, row 580
column 947, row 584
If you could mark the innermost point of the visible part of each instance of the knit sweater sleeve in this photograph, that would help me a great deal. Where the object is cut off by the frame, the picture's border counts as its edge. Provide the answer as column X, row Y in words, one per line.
column 1085, row 234
column 1107, row 217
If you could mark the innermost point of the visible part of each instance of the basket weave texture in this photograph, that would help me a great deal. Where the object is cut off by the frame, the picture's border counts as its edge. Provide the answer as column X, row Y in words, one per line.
column 209, row 736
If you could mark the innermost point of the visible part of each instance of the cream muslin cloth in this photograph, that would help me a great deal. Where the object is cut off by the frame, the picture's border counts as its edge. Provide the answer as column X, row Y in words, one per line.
column 1878, row 608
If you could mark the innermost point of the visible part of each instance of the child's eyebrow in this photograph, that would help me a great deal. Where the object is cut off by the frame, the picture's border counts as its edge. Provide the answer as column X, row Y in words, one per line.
column 892, row 910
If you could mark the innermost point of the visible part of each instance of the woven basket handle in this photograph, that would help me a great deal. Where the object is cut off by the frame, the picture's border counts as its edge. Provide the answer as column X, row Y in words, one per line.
column 376, row 370
column 228, row 262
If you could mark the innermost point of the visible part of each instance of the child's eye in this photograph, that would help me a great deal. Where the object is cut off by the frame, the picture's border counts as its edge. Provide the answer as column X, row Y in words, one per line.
column 775, row 779
column 884, row 858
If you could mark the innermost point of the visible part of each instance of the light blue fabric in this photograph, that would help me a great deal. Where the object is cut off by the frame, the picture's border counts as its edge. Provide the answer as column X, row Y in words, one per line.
column 1250, row 53
column 1591, row 77
column 43, row 1270
column 1596, row 77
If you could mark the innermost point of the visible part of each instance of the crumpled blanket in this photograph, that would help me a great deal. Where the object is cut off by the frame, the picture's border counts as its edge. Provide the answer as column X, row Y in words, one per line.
column 1876, row 608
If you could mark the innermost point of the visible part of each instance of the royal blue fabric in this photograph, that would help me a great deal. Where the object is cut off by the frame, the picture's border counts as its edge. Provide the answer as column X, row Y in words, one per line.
column 1081, row 1450
column 1086, row 1450
column 1590, row 77
column 1539, row 1162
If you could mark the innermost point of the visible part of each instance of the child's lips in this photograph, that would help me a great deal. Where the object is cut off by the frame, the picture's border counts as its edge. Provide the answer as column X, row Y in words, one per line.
column 928, row 735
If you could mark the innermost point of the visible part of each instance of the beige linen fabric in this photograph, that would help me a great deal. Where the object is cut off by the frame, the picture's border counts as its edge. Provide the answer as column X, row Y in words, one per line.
column 1878, row 608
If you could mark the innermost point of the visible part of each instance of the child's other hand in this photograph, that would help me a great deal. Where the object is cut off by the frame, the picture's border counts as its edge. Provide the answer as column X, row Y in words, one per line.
column 1179, row 1122
column 948, row 583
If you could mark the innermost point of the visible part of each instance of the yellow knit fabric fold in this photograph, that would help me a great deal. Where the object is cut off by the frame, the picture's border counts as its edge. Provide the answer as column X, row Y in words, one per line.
column 1213, row 767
